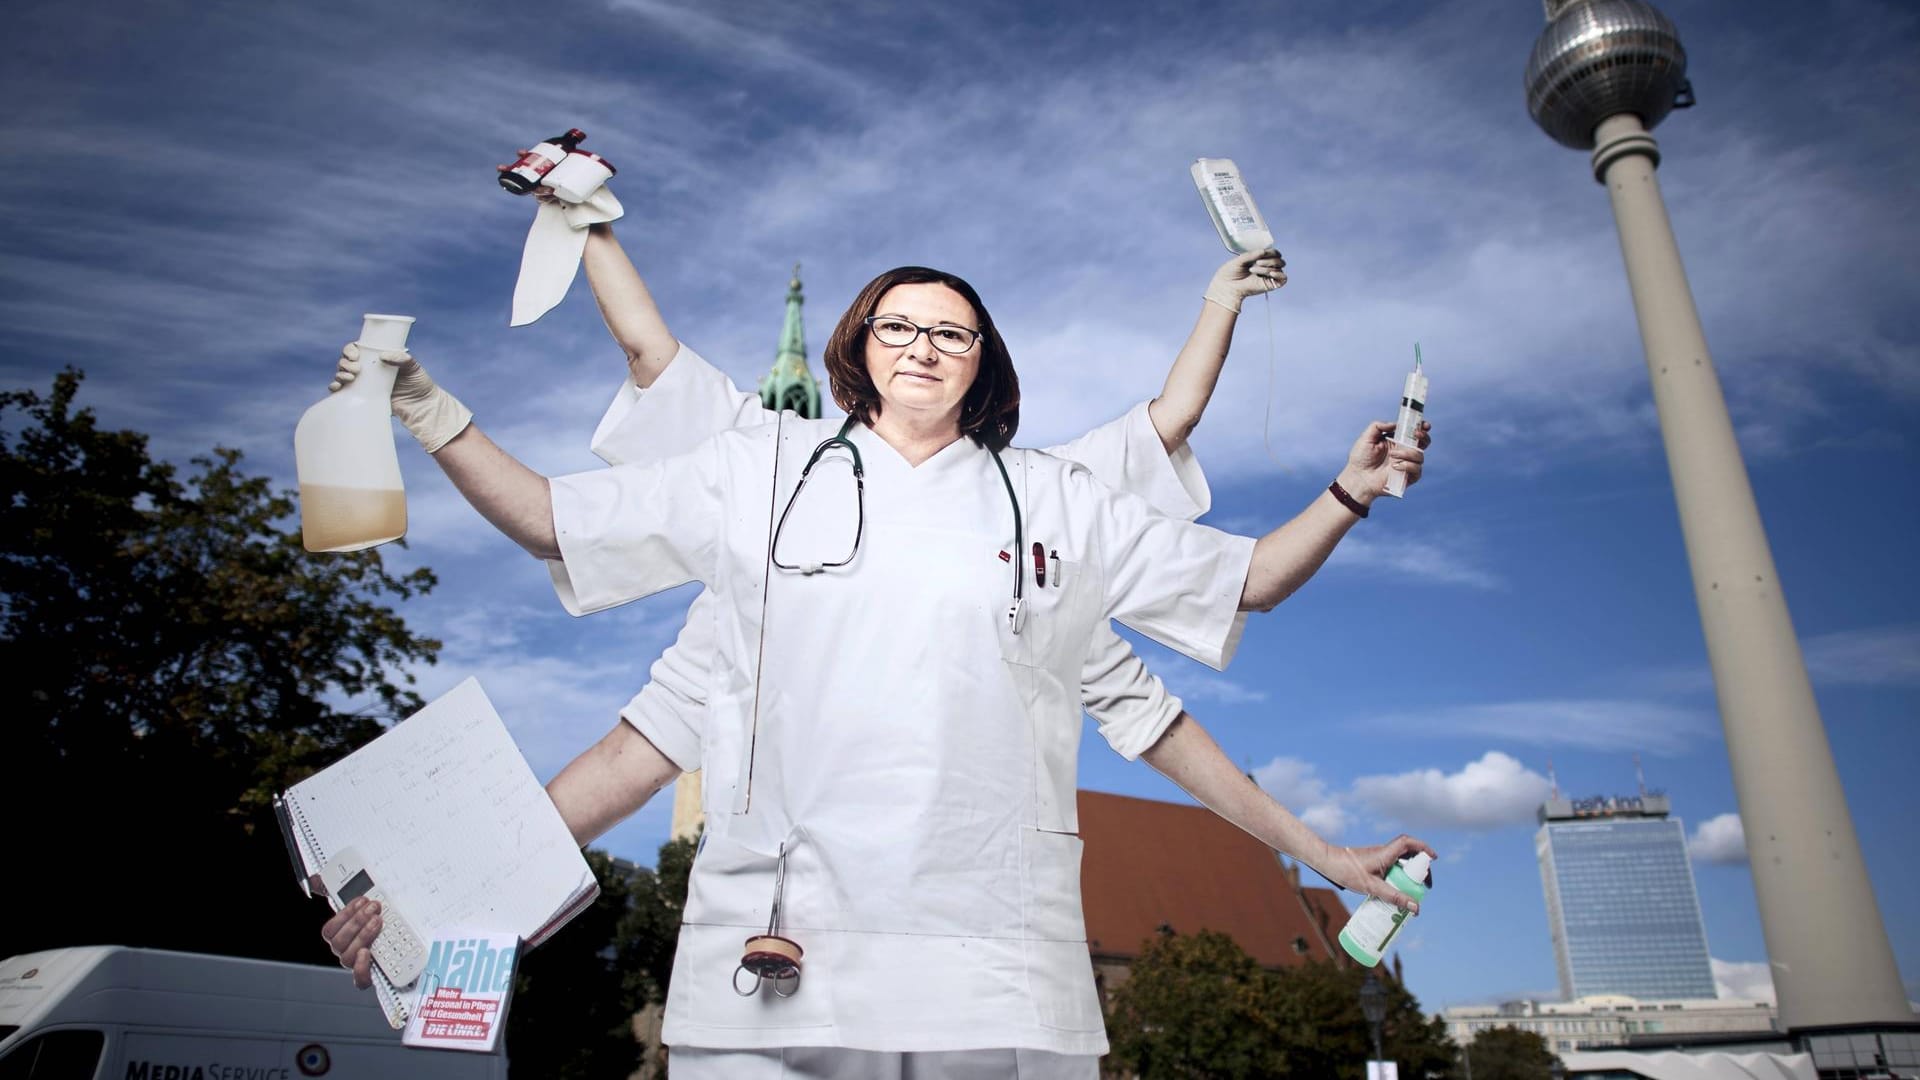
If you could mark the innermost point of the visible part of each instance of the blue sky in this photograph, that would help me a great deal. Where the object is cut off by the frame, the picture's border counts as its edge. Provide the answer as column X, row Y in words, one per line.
column 207, row 196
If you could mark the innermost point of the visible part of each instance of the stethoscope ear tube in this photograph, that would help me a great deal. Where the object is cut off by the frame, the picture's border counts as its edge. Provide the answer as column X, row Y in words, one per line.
column 860, row 501
column 1017, row 611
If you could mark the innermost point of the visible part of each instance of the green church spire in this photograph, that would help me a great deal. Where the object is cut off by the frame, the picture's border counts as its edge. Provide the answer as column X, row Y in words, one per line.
column 790, row 385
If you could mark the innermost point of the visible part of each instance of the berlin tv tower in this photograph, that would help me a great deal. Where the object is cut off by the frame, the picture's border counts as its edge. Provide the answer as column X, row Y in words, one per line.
column 1602, row 74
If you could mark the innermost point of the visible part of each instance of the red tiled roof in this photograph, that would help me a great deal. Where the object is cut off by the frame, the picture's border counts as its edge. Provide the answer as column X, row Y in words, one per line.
column 1149, row 863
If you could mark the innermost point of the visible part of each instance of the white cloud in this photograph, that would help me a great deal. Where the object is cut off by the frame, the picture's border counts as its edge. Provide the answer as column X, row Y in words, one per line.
column 1207, row 686
column 1719, row 839
column 1490, row 793
column 1743, row 980
column 1880, row 656
column 1588, row 724
column 1069, row 206
column 1296, row 786
column 1421, row 561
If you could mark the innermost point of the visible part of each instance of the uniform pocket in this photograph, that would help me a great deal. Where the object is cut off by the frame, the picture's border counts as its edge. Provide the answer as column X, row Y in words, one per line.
column 1059, row 969
column 1059, row 619
column 1046, row 662
column 1050, row 885
column 729, row 897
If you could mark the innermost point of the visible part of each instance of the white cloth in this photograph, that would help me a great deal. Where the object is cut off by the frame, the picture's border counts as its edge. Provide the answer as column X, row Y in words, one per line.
column 911, row 752
column 692, row 400
column 551, row 257
column 835, row 1063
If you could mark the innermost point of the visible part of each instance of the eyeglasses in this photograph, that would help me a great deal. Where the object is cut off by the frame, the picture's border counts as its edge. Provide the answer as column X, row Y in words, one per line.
column 896, row 331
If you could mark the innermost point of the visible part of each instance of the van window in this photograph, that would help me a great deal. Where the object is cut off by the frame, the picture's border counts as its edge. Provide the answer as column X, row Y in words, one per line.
column 56, row 1055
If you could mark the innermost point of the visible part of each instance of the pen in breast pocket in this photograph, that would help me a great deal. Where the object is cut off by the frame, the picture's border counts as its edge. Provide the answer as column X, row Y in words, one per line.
column 1056, row 568
column 1039, row 564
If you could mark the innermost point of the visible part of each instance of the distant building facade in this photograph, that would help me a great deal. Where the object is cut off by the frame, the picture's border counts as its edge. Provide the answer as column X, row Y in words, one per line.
column 1621, row 903
column 1611, row 1020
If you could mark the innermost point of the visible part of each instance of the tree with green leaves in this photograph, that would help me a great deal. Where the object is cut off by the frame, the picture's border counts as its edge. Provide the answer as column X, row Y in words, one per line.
column 571, row 1017
column 1196, row 1005
column 1327, row 1035
column 174, row 656
column 648, row 933
column 1505, row 1053
column 576, row 995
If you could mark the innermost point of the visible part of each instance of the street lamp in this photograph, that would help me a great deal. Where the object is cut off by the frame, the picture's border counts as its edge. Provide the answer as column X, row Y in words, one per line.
column 1373, row 1004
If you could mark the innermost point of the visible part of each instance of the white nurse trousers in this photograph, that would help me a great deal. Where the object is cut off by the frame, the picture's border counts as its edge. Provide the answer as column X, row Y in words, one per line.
column 838, row 1063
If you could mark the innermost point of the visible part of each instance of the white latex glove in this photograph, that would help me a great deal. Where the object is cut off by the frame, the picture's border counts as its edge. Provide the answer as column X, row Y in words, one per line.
column 430, row 413
column 1246, row 275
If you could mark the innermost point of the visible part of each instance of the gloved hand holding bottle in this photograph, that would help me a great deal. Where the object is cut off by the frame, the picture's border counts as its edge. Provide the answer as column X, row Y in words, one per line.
column 430, row 413
column 1246, row 275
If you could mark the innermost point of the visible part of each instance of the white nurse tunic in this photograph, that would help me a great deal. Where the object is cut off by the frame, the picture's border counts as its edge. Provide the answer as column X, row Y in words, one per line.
column 884, row 723
column 692, row 401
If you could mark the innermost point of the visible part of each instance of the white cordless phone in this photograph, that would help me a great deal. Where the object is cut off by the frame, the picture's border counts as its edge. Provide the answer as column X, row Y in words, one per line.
column 399, row 950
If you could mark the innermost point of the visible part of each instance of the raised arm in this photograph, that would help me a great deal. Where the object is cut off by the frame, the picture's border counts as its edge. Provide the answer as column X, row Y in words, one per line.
column 1188, row 756
column 1285, row 558
column 1196, row 370
column 632, row 317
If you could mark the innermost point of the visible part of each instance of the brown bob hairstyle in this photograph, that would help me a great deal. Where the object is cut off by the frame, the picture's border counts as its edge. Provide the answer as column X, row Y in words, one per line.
column 989, row 414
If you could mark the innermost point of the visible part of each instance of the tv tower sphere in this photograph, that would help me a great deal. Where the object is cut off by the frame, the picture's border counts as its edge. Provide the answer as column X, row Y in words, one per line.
column 1601, row 58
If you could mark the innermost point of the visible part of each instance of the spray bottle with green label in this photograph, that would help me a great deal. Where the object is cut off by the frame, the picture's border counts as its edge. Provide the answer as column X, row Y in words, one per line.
column 1376, row 922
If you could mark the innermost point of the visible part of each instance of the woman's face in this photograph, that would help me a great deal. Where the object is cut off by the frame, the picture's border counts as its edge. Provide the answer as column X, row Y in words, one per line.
column 917, row 377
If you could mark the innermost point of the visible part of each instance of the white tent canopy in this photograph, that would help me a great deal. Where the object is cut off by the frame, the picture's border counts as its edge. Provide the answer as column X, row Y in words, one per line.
column 1673, row 1065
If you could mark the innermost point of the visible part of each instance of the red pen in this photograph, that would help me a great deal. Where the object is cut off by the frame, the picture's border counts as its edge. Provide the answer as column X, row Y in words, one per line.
column 1039, row 563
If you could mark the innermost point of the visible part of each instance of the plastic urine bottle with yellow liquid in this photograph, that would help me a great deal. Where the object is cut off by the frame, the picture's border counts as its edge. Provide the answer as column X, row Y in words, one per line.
column 350, row 491
column 1375, row 923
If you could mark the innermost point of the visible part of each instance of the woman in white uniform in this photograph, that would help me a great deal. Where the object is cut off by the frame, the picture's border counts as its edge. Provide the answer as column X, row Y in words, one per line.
column 904, row 693
column 672, row 399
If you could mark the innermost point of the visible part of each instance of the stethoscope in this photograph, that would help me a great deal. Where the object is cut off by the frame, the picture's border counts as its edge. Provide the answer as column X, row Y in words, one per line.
column 773, row 957
column 1016, row 611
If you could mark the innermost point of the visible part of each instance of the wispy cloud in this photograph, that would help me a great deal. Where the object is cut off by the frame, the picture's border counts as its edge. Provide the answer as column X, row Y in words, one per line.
column 1879, row 656
column 1417, row 560
column 1493, row 792
column 1065, row 200
column 1208, row 686
column 1720, row 839
column 763, row 35
column 1589, row 724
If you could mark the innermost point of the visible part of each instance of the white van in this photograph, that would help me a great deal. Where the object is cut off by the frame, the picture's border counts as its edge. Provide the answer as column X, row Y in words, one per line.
column 112, row 1013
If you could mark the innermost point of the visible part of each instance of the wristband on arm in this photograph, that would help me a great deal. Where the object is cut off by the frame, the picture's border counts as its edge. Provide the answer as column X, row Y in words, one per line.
column 1348, row 501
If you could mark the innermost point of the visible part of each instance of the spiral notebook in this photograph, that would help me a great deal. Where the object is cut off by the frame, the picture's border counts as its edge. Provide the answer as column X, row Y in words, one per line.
column 451, row 822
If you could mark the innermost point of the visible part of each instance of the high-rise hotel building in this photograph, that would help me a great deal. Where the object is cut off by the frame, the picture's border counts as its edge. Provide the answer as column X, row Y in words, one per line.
column 1620, row 899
